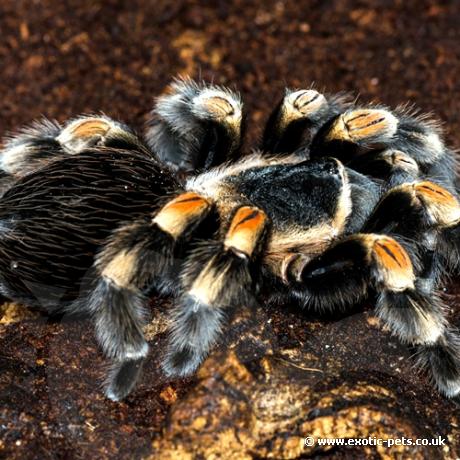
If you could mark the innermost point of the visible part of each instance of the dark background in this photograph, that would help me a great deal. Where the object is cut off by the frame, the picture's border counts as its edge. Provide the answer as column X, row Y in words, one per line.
column 62, row 58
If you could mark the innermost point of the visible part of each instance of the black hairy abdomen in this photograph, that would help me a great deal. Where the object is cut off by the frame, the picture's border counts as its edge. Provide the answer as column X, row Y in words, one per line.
column 53, row 221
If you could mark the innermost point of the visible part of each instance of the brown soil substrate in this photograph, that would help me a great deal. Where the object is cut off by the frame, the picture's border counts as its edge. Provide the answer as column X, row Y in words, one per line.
column 298, row 376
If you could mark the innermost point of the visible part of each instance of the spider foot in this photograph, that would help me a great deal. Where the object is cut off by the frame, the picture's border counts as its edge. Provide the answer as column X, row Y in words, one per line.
column 442, row 360
column 119, row 314
column 123, row 378
column 196, row 126
column 297, row 117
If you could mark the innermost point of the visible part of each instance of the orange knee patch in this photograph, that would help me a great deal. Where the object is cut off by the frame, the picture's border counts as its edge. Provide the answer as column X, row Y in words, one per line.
column 90, row 127
column 362, row 125
column 178, row 213
column 245, row 230
column 442, row 205
column 401, row 160
column 435, row 192
column 221, row 107
column 300, row 104
column 393, row 263
column 218, row 106
column 391, row 254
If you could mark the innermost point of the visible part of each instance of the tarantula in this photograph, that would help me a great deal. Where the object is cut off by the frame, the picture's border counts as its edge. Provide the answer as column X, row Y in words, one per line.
column 341, row 203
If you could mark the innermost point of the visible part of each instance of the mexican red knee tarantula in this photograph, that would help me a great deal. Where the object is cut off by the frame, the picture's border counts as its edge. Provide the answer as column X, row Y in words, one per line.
column 341, row 203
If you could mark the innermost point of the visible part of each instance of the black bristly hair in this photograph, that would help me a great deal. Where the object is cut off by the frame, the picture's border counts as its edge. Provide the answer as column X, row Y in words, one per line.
column 196, row 126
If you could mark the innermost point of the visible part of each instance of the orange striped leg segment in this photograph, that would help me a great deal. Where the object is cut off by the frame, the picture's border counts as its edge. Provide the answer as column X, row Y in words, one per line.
column 441, row 204
column 246, row 229
column 181, row 212
column 392, row 263
column 363, row 125
column 299, row 105
column 88, row 131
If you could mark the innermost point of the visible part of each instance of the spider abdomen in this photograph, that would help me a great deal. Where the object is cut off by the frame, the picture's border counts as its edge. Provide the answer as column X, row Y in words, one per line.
column 53, row 222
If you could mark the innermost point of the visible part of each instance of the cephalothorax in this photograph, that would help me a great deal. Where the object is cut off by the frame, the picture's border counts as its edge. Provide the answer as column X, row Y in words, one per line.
column 341, row 202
